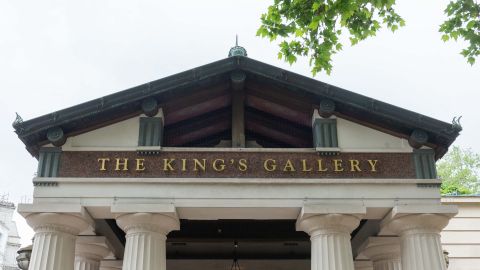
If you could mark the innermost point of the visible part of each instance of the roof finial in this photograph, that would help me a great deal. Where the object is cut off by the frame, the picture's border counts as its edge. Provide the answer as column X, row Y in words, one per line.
column 237, row 50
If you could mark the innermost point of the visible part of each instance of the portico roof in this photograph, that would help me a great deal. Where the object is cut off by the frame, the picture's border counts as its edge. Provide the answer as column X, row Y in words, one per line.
column 277, row 93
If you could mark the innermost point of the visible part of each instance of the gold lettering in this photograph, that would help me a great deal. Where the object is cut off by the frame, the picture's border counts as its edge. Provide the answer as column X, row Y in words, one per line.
column 197, row 163
column 124, row 164
column 242, row 165
column 288, row 166
column 218, row 167
column 304, row 166
column 337, row 164
column 140, row 164
column 184, row 164
column 373, row 164
column 320, row 166
column 103, row 163
column 270, row 165
column 167, row 164
column 354, row 165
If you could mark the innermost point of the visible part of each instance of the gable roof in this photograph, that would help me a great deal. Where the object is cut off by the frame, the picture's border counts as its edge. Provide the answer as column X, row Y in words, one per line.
column 125, row 104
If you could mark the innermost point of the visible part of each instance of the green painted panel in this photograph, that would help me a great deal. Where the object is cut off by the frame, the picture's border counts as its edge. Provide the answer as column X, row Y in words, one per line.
column 424, row 160
column 325, row 133
column 48, row 162
column 151, row 131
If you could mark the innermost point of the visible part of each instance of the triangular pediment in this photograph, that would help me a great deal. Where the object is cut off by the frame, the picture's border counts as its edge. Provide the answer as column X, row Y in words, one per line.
column 277, row 108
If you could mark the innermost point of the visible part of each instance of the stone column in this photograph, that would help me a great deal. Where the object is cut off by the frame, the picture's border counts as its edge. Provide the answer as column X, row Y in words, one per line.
column 89, row 251
column 420, row 240
column 145, row 239
column 330, row 239
column 54, row 244
column 384, row 252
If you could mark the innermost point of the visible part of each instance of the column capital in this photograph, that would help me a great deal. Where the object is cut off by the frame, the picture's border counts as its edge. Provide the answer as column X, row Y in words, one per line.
column 329, row 218
column 381, row 248
column 72, row 218
column 425, row 223
column 328, row 223
column 92, row 247
column 57, row 222
column 148, row 222
column 424, row 218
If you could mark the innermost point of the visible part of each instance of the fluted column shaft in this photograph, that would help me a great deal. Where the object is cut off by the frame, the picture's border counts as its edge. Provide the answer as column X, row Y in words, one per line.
column 54, row 244
column 420, row 240
column 422, row 249
column 145, row 249
column 330, row 239
column 145, row 240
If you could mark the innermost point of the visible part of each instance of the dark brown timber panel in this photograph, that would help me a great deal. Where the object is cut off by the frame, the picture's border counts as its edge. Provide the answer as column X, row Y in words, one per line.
column 236, row 164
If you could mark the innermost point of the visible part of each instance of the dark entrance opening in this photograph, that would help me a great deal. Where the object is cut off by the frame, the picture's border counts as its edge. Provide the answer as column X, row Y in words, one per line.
column 257, row 239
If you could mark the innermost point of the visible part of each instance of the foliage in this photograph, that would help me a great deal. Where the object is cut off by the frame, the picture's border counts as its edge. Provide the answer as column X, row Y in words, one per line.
column 312, row 28
column 463, row 20
column 460, row 172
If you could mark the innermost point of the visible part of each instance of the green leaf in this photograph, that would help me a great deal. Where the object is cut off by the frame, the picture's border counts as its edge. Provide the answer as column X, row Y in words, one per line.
column 471, row 60
column 291, row 59
column 445, row 38
column 313, row 25
column 471, row 24
column 299, row 32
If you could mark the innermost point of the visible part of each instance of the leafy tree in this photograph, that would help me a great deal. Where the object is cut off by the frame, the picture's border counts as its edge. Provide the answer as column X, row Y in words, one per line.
column 312, row 27
column 460, row 172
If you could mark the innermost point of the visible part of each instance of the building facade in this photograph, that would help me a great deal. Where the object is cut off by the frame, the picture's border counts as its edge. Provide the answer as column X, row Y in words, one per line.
column 9, row 239
column 236, row 164
column 461, row 237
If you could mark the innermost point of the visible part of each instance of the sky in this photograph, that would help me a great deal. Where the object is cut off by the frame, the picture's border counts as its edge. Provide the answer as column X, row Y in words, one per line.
column 56, row 54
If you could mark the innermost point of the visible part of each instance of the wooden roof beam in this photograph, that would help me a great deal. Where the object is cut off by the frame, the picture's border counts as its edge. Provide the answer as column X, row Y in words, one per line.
column 238, row 108
column 207, row 106
column 276, row 135
column 278, row 110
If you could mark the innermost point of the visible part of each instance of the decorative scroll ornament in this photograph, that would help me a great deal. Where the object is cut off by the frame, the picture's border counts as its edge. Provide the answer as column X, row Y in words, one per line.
column 150, row 107
column 418, row 138
column 18, row 120
column 56, row 136
column 456, row 123
column 327, row 107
